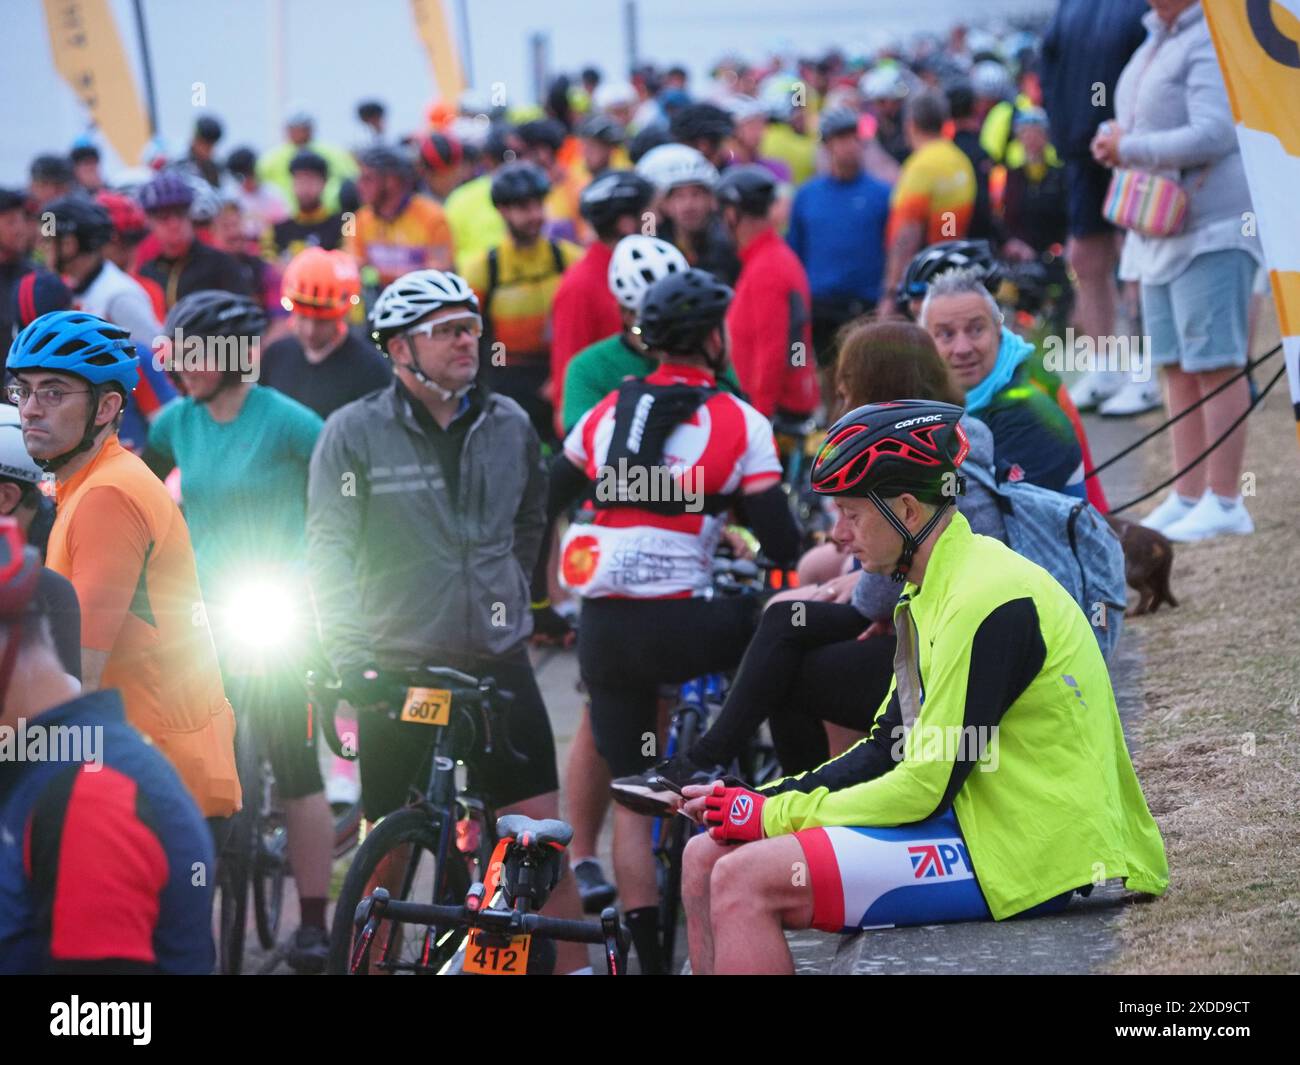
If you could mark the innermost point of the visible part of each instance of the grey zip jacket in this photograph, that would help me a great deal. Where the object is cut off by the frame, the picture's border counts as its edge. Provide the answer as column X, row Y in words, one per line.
column 399, row 571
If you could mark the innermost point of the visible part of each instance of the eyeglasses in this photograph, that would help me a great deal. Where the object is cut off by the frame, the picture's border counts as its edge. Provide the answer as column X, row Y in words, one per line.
column 447, row 330
column 47, row 398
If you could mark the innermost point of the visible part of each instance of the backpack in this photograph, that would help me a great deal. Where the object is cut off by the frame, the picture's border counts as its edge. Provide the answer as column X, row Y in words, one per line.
column 1039, row 522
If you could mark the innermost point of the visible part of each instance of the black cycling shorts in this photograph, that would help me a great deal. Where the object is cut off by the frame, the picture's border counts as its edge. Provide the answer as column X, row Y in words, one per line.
column 276, row 707
column 396, row 755
column 627, row 648
column 1087, row 182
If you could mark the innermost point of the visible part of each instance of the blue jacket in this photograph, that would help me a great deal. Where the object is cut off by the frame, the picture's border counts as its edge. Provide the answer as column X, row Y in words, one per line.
column 107, row 869
column 837, row 228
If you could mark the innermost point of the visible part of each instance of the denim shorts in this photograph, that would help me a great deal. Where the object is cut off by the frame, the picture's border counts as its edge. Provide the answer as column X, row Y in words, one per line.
column 1198, row 321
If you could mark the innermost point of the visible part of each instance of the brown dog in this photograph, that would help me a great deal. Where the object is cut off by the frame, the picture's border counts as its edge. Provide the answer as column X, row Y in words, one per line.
column 1148, row 558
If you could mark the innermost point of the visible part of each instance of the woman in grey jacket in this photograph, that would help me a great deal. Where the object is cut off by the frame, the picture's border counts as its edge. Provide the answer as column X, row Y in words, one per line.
column 1174, row 120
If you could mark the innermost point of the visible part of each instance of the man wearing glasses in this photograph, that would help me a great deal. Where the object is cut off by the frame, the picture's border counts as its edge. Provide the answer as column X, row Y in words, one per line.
column 426, row 505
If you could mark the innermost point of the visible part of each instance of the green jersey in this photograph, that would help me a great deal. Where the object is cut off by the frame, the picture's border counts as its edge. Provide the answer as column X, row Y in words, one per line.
column 1001, row 708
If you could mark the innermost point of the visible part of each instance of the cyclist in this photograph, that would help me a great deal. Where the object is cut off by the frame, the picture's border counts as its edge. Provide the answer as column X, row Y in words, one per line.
column 322, row 363
column 184, row 264
column 264, row 204
column 15, row 258
column 130, row 227
column 516, row 282
column 475, row 224
column 638, row 262
column 1008, row 662
column 543, row 142
column 601, row 139
column 122, row 542
column 312, row 225
column 584, row 310
column 837, row 229
column 243, row 452
column 51, row 178
column 643, row 565
column 885, row 88
column 935, row 194
column 770, row 320
column 684, row 180
column 397, row 229
column 442, row 165
column 99, row 842
column 299, row 127
column 22, row 501
column 706, row 128
column 424, row 559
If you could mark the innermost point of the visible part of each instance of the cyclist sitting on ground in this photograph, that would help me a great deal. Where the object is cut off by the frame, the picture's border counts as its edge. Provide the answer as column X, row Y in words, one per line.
column 123, row 544
column 243, row 451
column 101, row 842
column 426, row 508
column 643, row 565
column 821, row 660
column 1009, row 664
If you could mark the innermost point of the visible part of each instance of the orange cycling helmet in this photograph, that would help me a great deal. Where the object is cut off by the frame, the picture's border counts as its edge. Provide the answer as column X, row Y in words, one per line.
column 321, row 284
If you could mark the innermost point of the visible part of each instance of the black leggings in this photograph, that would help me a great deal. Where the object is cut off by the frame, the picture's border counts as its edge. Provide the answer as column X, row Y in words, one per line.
column 804, row 666
column 627, row 648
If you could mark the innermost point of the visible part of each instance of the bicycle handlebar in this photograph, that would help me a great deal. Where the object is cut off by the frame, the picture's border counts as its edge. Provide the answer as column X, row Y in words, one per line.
column 498, row 922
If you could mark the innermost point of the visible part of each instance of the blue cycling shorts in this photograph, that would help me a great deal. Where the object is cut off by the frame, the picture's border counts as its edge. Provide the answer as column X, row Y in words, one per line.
column 894, row 877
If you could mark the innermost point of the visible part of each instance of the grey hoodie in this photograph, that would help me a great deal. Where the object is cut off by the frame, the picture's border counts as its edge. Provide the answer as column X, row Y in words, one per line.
column 875, row 595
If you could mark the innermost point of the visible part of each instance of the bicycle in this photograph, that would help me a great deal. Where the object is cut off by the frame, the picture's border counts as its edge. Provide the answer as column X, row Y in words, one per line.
column 797, row 443
column 449, row 825
column 499, row 936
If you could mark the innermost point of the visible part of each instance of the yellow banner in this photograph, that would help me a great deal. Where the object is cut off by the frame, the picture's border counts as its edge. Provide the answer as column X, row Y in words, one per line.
column 88, row 54
column 1258, row 45
column 440, row 43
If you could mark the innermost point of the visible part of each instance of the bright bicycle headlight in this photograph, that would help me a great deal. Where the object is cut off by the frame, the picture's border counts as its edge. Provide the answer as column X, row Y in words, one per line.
column 262, row 615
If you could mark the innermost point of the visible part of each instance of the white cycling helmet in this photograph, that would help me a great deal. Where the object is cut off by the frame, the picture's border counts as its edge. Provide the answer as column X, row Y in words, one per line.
column 15, row 463
column 990, row 80
column 885, row 82
column 413, row 297
column 614, row 94
column 637, row 263
column 671, row 165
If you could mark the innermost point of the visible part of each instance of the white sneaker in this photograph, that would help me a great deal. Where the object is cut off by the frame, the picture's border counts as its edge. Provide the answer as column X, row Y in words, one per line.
column 342, row 789
column 1094, row 387
column 1174, row 509
column 1133, row 398
column 1211, row 517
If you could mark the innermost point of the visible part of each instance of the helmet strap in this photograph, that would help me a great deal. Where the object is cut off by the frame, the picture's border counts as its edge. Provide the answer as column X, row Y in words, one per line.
column 911, row 544
column 442, row 393
column 87, row 438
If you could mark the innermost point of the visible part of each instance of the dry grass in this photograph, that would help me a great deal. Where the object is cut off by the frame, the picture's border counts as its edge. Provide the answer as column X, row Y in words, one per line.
column 1218, row 747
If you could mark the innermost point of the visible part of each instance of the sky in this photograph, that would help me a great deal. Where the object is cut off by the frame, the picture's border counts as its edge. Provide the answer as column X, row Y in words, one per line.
column 332, row 53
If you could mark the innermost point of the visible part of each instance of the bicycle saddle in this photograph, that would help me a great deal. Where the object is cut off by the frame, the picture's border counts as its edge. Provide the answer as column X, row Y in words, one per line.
column 537, row 832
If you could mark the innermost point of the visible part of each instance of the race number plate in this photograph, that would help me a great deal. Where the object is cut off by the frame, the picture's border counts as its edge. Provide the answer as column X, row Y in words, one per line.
column 487, row 960
column 427, row 706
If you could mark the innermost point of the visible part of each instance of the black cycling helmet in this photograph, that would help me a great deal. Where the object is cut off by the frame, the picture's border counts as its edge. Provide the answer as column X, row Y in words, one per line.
column 309, row 161
column 207, row 129
column 701, row 121
column 52, row 169
column 212, row 312
column 12, row 200
column 749, row 187
column 881, row 450
column 542, row 133
column 836, row 121
column 930, row 262
column 648, row 138
column 387, row 159
column 242, row 162
column 681, row 310
column 519, row 182
column 601, row 127
column 614, row 194
column 81, row 217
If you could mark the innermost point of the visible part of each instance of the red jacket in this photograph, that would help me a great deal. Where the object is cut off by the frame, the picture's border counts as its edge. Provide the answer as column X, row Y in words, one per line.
column 583, row 312
column 770, row 321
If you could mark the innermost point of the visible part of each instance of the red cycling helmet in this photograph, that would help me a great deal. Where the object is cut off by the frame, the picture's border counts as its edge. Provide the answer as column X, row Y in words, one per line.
column 127, row 216
column 20, row 569
column 441, row 152
column 882, row 450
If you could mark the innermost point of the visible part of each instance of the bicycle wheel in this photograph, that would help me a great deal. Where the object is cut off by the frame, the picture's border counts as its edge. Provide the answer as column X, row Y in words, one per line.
column 347, row 826
column 269, row 873
column 233, row 873
column 414, row 834
column 679, row 829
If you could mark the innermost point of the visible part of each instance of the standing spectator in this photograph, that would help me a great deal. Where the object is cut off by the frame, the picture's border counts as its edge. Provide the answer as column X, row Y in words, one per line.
column 935, row 194
column 202, row 158
column 1173, row 117
column 770, row 317
column 585, row 310
column 184, row 264
column 1084, row 50
column 51, row 178
column 685, row 181
column 299, row 129
column 85, row 166
column 312, row 225
column 837, row 228
column 516, row 282
column 321, row 363
column 15, row 261
column 397, row 229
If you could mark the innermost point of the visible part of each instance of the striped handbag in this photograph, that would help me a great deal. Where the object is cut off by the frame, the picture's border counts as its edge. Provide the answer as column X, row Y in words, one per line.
column 1146, row 203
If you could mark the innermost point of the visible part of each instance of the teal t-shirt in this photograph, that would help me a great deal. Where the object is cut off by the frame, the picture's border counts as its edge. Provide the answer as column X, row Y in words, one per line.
column 244, row 485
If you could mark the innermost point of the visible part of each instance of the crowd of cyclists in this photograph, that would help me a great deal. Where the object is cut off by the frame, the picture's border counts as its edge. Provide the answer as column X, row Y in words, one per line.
column 368, row 401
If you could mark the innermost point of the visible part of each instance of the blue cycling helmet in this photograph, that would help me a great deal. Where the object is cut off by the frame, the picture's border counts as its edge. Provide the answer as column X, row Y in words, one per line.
column 75, row 342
